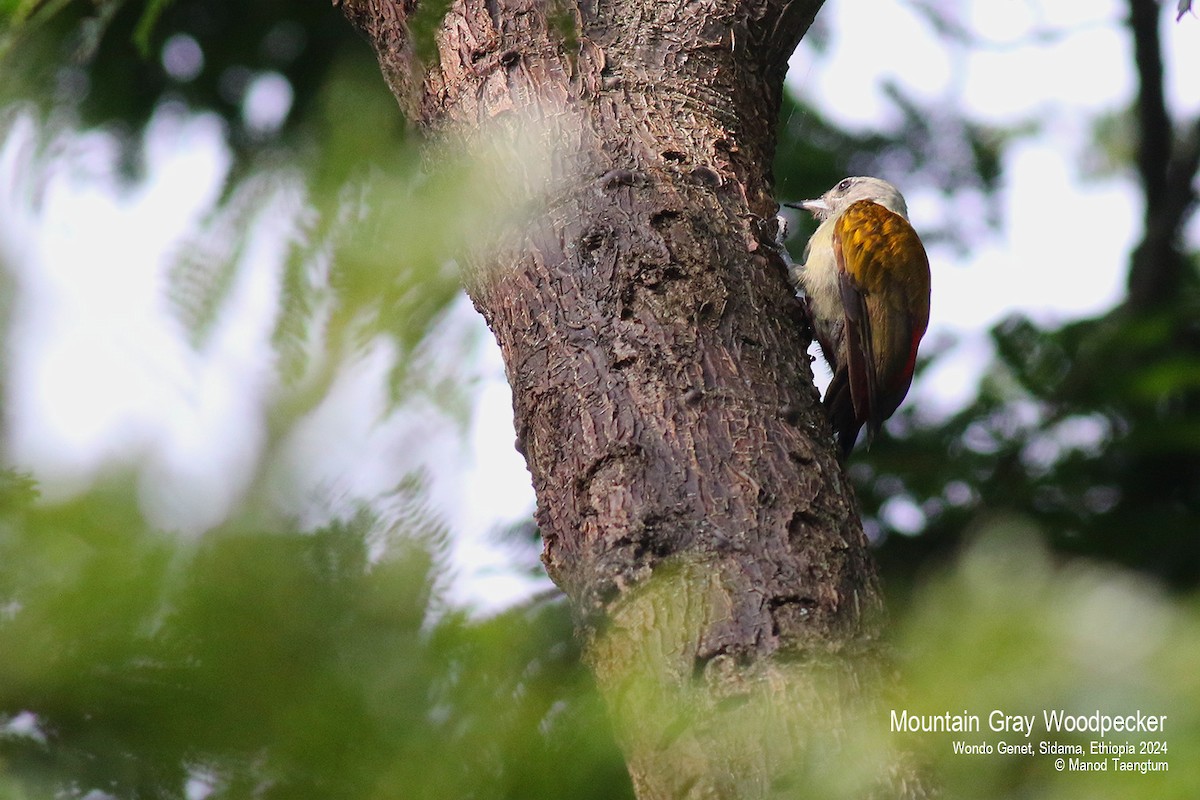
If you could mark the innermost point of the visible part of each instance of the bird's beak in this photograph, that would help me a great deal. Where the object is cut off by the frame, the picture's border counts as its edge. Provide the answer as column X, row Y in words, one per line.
column 818, row 208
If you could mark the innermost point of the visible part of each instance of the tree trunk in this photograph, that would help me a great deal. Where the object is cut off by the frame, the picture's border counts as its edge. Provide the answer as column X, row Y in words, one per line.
column 662, row 390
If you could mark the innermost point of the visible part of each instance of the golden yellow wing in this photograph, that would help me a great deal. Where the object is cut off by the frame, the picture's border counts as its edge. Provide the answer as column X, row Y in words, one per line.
column 884, row 281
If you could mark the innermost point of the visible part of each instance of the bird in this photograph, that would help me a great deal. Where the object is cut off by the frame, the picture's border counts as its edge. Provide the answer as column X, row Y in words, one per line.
column 865, row 278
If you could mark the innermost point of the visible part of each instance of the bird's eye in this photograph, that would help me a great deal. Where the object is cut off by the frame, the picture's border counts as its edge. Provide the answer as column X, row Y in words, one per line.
column 844, row 185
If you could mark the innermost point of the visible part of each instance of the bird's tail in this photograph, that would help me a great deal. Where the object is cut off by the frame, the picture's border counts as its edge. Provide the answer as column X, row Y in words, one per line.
column 840, row 407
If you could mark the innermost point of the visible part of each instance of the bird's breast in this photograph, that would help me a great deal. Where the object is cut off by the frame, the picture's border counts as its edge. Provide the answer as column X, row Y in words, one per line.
column 818, row 275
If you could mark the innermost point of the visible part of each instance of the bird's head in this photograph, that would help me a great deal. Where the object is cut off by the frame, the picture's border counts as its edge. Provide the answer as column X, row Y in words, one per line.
column 851, row 190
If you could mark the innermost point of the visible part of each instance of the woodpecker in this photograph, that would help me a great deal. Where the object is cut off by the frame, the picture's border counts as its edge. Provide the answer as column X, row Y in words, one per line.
column 866, row 279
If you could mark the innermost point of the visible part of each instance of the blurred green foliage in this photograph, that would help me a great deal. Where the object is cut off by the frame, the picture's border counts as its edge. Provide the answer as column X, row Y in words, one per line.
column 1004, row 626
column 113, row 62
column 1092, row 430
column 1009, row 626
column 273, row 663
column 279, row 663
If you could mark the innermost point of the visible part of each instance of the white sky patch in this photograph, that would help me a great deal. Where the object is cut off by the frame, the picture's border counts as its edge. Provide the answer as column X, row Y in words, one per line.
column 1182, row 41
column 87, row 347
column 355, row 448
column 1081, row 66
column 210, row 441
column 23, row 724
column 886, row 42
column 182, row 57
column 496, row 487
column 267, row 101
column 1047, row 268
column 902, row 514
column 100, row 373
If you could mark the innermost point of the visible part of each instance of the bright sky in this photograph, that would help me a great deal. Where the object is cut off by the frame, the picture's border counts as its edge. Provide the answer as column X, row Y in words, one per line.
column 98, row 374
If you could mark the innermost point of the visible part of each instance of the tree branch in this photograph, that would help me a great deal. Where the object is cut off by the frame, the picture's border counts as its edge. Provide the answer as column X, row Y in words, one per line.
column 1154, row 123
column 1167, row 169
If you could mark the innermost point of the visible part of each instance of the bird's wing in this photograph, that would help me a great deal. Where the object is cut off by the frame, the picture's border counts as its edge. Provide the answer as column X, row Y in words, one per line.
column 883, row 275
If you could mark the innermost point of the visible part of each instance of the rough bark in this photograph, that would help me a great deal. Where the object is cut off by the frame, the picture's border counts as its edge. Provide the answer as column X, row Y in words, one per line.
column 663, row 396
